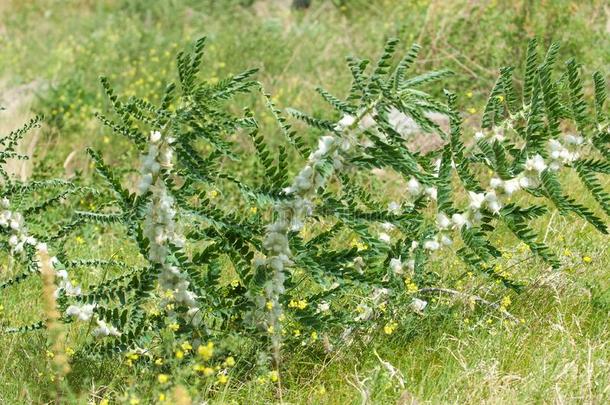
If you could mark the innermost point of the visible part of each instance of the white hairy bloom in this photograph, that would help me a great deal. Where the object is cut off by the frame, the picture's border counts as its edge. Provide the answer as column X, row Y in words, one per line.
column 431, row 192
column 394, row 207
column 459, row 220
column 155, row 136
column 511, row 186
column 396, row 265
column 446, row 240
column 442, row 221
column 496, row 183
column 476, row 200
column 431, row 245
column 384, row 237
column 103, row 329
column 83, row 312
column 413, row 186
column 536, row 163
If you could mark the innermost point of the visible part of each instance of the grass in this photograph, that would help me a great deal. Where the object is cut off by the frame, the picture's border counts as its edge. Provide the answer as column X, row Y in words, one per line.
column 453, row 354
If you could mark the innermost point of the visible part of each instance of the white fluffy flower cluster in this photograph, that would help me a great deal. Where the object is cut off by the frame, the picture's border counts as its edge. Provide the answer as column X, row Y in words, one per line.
column 399, row 121
column 84, row 313
column 499, row 190
column 13, row 221
column 159, row 223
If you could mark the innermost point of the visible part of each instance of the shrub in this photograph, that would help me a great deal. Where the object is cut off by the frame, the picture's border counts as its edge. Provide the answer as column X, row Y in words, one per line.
column 318, row 258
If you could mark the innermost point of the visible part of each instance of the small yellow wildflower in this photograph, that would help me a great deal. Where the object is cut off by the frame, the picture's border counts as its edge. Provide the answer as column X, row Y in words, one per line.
column 235, row 283
column 506, row 301
column 587, row 259
column 134, row 401
column 230, row 361
column 300, row 304
column 274, row 376
column 500, row 98
column 314, row 335
column 70, row 351
column 390, row 327
column 179, row 354
column 50, row 354
column 472, row 110
column 213, row 193
column 174, row 326
column 296, row 333
column 469, row 94
column 104, row 401
column 253, row 210
column 321, row 390
column 206, row 351
column 269, row 305
column 159, row 361
column 222, row 379
column 162, row 378
column 208, row 371
column 186, row 346
column 162, row 397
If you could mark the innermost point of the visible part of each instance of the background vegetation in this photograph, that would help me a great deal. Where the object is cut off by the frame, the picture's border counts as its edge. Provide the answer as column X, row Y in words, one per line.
column 52, row 52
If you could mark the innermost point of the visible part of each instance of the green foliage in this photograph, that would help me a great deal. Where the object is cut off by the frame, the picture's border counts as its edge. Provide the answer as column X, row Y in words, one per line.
column 341, row 267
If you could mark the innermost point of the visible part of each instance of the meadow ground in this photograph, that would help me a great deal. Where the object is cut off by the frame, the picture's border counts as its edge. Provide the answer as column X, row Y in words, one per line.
column 52, row 52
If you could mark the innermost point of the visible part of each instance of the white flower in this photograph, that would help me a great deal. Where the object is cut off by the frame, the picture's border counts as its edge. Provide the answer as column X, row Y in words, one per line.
column 394, row 207
column 413, row 186
column 511, row 186
column 573, row 139
column 431, row 192
column 431, row 245
column 155, row 136
column 396, row 265
column 384, row 237
column 496, row 182
column 476, row 200
column 5, row 203
column 103, row 329
column 323, row 306
column 388, row 226
column 418, row 305
column 446, row 240
column 493, row 203
column 479, row 135
column 535, row 163
column 83, row 312
column 345, row 122
column 442, row 221
column 459, row 220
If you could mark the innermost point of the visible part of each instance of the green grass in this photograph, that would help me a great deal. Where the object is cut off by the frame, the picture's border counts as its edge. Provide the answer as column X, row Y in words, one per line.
column 453, row 354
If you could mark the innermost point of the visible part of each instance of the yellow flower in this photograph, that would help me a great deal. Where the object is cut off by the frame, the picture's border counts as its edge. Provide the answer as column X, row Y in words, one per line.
column 587, row 259
column 253, row 210
column 500, row 98
column 208, row 371
column 235, row 283
column 296, row 333
column 206, row 351
column 186, row 346
column 314, row 335
column 390, row 327
column 269, row 305
column 506, row 301
column 134, row 401
column 162, row 397
column 50, row 354
column 159, row 361
column 213, row 193
column 230, row 361
column 472, row 110
column 321, row 390
column 174, row 326
column 222, row 379
column 163, row 378
column 104, row 401
column 179, row 354
column 300, row 304
column 70, row 351
column 274, row 376
column 469, row 94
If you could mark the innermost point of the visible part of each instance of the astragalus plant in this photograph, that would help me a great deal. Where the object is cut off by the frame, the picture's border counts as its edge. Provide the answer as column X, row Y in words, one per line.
column 251, row 241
